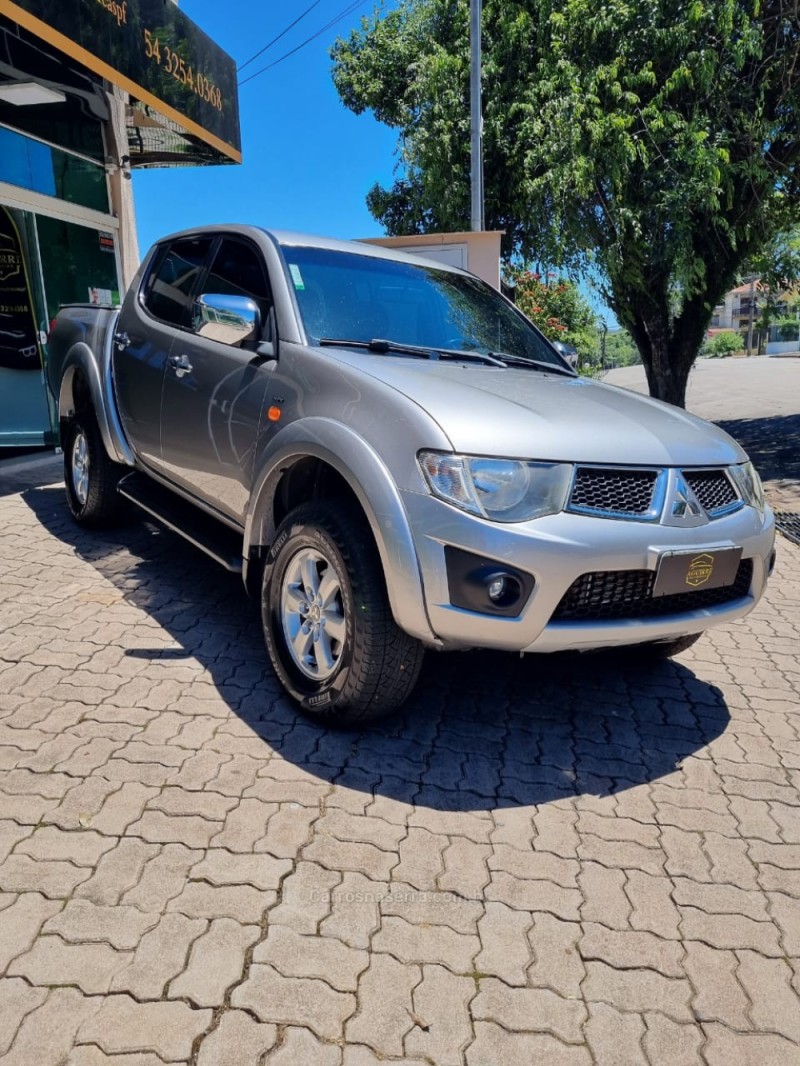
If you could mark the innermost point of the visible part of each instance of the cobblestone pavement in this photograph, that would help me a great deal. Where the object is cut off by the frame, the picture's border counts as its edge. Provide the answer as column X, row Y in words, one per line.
column 568, row 861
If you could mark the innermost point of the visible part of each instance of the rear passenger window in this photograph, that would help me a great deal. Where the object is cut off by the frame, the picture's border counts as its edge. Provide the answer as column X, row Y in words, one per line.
column 171, row 286
column 237, row 270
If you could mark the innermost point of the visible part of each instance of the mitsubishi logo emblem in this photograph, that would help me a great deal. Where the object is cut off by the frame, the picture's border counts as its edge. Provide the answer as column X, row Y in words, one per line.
column 684, row 501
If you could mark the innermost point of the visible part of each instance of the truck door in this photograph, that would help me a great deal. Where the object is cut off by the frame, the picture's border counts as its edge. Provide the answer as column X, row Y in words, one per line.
column 213, row 395
column 149, row 323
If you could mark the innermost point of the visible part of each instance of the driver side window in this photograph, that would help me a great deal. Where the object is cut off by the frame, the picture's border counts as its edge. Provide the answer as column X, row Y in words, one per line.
column 237, row 270
column 168, row 295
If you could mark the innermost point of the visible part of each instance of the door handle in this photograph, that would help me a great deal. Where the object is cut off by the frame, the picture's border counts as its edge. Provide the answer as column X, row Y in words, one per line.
column 180, row 364
column 122, row 341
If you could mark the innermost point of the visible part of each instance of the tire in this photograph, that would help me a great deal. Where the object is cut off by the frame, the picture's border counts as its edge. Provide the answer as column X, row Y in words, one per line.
column 663, row 649
column 349, row 662
column 91, row 478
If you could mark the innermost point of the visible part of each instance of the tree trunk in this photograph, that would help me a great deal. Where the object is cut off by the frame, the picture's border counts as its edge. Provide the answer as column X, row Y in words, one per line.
column 668, row 345
column 667, row 370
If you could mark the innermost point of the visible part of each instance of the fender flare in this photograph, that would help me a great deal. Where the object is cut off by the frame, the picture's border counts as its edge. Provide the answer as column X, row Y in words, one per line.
column 355, row 460
column 101, row 390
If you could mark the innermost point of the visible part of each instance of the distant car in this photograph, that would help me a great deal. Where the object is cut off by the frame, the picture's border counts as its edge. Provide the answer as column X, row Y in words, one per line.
column 567, row 353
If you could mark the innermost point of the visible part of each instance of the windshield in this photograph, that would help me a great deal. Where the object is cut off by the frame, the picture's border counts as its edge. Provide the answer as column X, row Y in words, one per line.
column 347, row 296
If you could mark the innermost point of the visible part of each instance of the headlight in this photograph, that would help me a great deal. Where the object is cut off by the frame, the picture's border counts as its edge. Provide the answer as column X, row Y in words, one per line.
column 502, row 490
column 749, row 484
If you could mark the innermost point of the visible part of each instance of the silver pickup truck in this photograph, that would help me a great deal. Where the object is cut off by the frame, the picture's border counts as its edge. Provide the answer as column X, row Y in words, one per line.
column 395, row 459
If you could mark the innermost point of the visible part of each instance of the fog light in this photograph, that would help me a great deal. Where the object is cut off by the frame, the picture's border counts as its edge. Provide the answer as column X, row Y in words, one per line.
column 771, row 566
column 486, row 586
column 497, row 587
column 503, row 589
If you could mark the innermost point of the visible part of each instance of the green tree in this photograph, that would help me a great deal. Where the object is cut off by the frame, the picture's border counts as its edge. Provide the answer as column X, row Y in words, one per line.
column 652, row 141
column 620, row 349
column 777, row 266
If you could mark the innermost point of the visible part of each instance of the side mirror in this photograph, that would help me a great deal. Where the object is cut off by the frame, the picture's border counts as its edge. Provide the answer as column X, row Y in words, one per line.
column 231, row 320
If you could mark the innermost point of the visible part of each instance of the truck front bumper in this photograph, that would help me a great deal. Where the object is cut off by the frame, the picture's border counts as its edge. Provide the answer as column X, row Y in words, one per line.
column 557, row 550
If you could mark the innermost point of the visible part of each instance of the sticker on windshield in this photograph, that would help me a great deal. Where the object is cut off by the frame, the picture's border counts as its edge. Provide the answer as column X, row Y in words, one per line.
column 297, row 277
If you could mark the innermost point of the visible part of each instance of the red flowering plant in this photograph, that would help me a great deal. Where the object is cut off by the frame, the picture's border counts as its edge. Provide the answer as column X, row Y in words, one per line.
column 555, row 305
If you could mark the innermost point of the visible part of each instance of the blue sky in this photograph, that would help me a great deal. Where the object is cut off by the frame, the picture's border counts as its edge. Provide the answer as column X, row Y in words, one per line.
column 308, row 162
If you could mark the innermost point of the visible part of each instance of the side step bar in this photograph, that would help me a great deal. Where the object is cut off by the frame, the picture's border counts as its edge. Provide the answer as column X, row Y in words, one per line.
column 214, row 538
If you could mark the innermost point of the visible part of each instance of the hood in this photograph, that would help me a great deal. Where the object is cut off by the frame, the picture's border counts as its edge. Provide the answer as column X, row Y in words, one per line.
column 526, row 414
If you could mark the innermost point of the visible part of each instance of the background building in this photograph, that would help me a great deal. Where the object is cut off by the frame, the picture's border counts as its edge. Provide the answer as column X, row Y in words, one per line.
column 478, row 252
column 740, row 306
column 89, row 90
column 769, row 321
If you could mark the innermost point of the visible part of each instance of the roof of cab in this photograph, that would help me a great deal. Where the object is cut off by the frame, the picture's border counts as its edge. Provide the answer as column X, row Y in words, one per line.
column 290, row 239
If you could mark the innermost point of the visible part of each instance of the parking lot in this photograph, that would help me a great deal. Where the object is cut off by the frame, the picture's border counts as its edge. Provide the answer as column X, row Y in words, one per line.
column 572, row 860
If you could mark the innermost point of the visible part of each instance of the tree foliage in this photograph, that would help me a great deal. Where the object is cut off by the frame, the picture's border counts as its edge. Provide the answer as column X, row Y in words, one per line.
column 652, row 141
column 620, row 350
column 777, row 266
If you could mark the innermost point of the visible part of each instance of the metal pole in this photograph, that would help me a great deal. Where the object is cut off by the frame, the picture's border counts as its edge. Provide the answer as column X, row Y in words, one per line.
column 752, row 314
column 476, row 118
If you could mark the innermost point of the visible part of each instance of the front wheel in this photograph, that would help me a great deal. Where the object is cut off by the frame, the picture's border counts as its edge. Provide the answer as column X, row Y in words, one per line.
column 91, row 478
column 327, row 622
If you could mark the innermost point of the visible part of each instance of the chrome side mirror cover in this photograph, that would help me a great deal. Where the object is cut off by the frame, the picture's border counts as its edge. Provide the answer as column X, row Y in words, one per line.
column 232, row 320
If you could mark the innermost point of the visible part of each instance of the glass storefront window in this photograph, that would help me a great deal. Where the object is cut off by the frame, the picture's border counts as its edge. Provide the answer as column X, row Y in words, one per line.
column 61, row 262
column 40, row 168
column 74, row 263
column 25, row 416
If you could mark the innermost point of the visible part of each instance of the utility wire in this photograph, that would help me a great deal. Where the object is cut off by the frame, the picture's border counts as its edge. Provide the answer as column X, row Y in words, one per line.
column 283, row 33
column 328, row 25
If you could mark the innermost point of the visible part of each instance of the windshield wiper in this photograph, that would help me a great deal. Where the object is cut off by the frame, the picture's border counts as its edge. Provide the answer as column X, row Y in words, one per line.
column 378, row 345
column 383, row 347
column 534, row 364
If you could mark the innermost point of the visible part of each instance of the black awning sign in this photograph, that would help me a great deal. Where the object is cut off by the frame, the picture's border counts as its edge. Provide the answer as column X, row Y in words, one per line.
column 18, row 343
column 154, row 51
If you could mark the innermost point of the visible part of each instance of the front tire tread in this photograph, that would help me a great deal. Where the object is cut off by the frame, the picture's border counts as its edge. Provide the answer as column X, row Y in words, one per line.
column 385, row 661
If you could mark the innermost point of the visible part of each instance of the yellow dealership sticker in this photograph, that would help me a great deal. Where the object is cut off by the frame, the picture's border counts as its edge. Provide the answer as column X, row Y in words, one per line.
column 700, row 570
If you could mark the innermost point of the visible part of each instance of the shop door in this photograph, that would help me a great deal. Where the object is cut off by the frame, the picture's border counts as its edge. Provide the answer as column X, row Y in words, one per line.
column 25, row 417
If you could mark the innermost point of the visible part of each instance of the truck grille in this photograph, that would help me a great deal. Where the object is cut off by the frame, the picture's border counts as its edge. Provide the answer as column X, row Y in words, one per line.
column 712, row 488
column 616, row 492
column 609, row 595
column 612, row 491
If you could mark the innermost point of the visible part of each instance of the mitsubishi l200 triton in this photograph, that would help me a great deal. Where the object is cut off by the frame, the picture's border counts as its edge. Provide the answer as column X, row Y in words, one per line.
column 395, row 459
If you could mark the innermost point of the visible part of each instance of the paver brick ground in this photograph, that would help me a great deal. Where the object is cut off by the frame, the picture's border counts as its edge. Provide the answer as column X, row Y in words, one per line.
column 567, row 860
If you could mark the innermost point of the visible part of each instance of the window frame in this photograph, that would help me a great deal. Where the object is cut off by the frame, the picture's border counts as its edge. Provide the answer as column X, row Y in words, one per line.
column 161, row 252
column 235, row 238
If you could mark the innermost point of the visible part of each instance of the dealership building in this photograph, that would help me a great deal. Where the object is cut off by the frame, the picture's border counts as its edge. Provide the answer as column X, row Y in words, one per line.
column 89, row 91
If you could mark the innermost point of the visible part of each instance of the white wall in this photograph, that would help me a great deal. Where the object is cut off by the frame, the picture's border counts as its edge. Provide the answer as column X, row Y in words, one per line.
column 476, row 252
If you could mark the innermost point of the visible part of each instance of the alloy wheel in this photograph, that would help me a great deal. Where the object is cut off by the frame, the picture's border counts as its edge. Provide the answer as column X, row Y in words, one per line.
column 312, row 614
column 80, row 467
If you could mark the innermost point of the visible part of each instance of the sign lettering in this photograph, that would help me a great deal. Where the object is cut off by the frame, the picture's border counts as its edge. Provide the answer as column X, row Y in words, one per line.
column 151, row 49
column 119, row 11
